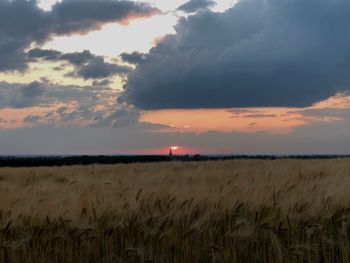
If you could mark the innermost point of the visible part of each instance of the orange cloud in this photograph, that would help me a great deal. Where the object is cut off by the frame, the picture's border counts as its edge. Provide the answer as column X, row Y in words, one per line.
column 137, row 15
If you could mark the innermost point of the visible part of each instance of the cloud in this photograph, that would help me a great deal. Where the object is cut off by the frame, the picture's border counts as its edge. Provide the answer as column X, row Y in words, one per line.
column 195, row 5
column 21, row 95
column 325, row 114
column 133, row 58
column 86, row 106
column 77, row 58
column 45, row 94
column 32, row 119
column 263, row 115
column 23, row 23
column 20, row 22
column 37, row 53
column 98, row 69
column 248, row 113
column 123, row 115
column 104, row 82
column 260, row 53
column 82, row 16
column 87, row 65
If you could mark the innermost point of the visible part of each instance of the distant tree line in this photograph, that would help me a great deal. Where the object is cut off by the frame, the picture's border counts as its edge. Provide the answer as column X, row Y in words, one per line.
column 15, row 161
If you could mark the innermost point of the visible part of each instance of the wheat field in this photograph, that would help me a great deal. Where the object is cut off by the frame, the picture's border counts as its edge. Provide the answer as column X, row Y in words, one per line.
column 223, row 211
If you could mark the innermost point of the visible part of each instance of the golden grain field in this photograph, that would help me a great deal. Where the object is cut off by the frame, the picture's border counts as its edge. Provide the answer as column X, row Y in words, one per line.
column 224, row 211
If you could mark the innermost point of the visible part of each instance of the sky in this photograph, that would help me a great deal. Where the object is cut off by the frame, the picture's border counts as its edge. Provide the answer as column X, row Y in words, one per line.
column 210, row 77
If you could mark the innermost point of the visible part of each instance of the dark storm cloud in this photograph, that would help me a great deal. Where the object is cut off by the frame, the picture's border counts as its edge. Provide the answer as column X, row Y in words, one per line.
column 133, row 58
column 72, row 16
column 260, row 53
column 195, row 5
column 20, row 22
column 87, row 65
column 23, row 23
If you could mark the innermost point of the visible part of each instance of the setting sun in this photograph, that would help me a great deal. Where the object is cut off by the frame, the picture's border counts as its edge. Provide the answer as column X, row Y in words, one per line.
column 174, row 148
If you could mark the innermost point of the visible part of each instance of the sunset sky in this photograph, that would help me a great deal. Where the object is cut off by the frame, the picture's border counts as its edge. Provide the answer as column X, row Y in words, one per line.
column 130, row 77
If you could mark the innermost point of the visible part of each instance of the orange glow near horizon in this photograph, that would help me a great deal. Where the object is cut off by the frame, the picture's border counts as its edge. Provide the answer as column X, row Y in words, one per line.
column 182, row 150
column 14, row 118
column 247, row 120
column 225, row 120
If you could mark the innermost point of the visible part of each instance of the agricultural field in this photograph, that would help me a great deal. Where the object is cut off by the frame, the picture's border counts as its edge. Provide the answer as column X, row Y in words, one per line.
column 224, row 211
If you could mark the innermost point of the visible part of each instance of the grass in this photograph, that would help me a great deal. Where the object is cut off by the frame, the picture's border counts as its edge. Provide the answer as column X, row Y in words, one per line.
column 226, row 211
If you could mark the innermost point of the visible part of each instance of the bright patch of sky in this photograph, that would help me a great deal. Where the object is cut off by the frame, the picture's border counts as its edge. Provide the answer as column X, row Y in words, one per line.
column 140, row 35
column 164, row 5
